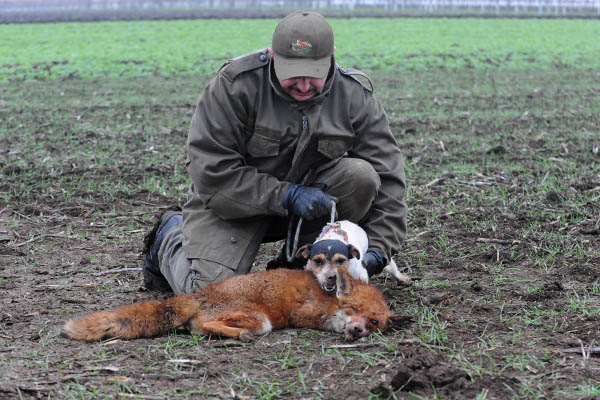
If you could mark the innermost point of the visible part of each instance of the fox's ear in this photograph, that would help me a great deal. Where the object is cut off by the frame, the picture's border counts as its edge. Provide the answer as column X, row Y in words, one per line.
column 304, row 251
column 354, row 252
column 344, row 283
column 398, row 321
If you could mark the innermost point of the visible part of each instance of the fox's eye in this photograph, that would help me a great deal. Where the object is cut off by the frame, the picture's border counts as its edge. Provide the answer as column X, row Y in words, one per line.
column 374, row 322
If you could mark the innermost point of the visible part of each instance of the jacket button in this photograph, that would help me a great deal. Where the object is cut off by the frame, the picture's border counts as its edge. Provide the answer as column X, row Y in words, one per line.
column 262, row 58
column 234, row 239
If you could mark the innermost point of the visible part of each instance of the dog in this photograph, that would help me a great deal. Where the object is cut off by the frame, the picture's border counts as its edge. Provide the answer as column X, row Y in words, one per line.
column 339, row 240
column 245, row 306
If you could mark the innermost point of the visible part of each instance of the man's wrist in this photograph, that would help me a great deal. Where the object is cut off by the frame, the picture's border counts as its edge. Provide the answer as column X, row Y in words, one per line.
column 375, row 261
column 288, row 194
column 380, row 255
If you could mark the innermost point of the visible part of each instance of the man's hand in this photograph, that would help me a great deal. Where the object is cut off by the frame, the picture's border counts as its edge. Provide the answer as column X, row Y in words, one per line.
column 374, row 262
column 307, row 202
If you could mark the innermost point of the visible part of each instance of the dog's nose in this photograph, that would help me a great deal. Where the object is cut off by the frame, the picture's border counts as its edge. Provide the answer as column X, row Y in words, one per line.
column 331, row 279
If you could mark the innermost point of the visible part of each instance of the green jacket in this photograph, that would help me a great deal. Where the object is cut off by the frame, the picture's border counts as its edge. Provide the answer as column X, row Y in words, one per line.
column 249, row 140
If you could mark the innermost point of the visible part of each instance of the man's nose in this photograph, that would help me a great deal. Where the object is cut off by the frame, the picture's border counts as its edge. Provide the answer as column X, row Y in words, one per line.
column 303, row 84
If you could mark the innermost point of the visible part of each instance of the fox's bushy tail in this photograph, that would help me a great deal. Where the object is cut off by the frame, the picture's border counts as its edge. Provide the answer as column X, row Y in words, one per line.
column 148, row 319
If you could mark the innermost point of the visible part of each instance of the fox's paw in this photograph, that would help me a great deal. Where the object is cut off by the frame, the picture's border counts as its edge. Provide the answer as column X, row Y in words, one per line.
column 246, row 336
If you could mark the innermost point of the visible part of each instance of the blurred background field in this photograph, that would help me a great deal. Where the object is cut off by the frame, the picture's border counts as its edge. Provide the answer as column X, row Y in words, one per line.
column 17, row 11
column 168, row 48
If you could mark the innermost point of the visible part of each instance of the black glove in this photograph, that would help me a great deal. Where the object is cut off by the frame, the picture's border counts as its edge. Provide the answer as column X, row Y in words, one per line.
column 374, row 262
column 307, row 202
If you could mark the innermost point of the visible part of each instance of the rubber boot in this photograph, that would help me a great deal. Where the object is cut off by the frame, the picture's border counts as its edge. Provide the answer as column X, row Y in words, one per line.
column 153, row 278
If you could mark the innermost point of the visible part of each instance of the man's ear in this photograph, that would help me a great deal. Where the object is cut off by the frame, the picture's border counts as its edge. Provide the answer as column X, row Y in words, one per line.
column 304, row 251
column 270, row 51
column 354, row 252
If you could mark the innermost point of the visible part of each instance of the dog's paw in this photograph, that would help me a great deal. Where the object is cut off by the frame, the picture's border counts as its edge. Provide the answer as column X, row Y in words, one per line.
column 401, row 278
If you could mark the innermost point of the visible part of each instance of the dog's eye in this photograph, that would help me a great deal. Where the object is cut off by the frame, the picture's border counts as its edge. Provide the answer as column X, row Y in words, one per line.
column 318, row 261
column 340, row 260
column 374, row 322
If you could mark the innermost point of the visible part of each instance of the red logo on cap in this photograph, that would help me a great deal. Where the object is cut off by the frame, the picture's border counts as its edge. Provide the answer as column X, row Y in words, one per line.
column 301, row 46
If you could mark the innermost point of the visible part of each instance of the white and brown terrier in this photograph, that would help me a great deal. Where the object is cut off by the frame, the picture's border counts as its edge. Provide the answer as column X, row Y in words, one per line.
column 341, row 244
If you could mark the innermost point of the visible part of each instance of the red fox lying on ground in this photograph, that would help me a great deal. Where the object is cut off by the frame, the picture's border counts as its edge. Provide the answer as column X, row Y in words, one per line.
column 245, row 306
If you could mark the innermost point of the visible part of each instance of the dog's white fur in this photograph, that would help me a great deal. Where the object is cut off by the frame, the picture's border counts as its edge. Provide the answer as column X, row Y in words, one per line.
column 350, row 233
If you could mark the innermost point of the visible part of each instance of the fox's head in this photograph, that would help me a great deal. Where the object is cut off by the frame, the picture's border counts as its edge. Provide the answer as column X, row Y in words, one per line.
column 365, row 311
column 328, row 261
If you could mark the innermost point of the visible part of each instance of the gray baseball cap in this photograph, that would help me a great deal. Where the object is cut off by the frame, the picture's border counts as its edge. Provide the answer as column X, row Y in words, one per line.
column 302, row 45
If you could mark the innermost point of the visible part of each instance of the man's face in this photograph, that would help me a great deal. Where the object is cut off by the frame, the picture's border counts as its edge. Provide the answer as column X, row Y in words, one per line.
column 302, row 88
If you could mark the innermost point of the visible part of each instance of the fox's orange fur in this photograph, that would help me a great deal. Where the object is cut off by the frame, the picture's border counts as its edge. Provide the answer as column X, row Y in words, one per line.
column 244, row 306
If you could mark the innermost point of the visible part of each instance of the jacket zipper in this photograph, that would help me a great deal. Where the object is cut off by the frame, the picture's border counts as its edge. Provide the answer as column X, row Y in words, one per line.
column 304, row 122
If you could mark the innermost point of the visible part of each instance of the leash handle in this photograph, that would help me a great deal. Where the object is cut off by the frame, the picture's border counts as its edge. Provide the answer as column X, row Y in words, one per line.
column 333, row 212
column 289, row 255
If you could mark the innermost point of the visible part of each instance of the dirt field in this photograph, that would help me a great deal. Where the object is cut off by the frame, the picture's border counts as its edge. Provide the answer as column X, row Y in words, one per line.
column 504, row 245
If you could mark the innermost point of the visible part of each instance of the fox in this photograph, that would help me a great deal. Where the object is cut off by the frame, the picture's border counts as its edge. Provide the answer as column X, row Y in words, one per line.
column 245, row 307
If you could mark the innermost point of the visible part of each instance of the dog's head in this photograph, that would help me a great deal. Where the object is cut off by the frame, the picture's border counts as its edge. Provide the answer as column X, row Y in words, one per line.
column 328, row 261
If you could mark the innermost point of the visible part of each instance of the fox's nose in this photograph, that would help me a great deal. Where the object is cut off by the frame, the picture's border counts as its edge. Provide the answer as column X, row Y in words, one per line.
column 358, row 331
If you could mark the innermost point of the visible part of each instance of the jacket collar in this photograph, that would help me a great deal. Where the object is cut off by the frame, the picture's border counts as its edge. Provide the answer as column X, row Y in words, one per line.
column 319, row 98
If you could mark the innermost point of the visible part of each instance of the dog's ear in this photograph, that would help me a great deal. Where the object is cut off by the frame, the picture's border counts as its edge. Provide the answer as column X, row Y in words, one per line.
column 353, row 252
column 398, row 321
column 344, row 283
column 304, row 251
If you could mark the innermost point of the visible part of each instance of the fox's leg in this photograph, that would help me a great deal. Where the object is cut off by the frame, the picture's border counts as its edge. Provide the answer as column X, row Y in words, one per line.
column 221, row 328
column 238, row 324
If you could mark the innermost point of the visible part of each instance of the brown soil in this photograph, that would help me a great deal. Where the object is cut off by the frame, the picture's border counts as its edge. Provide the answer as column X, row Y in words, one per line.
column 502, row 285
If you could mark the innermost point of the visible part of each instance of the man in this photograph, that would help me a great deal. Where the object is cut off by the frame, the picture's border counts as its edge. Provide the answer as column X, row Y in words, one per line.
column 279, row 132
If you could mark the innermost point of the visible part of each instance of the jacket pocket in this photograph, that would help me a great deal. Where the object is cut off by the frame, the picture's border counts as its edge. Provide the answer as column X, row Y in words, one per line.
column 334, row 147
column 262, row 146
column 263, row 143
